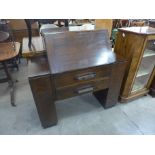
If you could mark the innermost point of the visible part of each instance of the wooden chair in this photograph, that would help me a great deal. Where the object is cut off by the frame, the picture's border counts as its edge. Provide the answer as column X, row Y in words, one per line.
column 8, row 51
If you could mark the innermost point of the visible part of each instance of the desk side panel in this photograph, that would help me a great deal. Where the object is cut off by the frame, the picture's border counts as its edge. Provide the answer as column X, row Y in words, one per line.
column 43, row 91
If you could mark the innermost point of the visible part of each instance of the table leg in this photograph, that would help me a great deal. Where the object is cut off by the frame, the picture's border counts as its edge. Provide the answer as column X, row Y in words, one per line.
column 109, row 97
column 11, row 83
column 44, row 95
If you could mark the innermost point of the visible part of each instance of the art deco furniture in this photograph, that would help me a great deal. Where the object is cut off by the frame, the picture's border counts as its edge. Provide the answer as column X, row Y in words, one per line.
column 77, row 63
column 137, row 45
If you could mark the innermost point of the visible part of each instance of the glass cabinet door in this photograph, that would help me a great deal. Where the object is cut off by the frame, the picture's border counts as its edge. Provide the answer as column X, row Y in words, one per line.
column 146, row 67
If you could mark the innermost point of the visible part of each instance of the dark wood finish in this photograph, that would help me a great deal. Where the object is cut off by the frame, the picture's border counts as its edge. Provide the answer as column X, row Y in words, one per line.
column 79, row 62
column 130, row 44
column 71, row 51
column 78, row 89
column 109, row 97
column 152, row 89
column 42, row 89
column 117, row 74
column 80, row 76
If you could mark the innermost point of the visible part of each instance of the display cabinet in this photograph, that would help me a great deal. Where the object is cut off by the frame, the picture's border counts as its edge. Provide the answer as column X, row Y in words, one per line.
column 137, row 45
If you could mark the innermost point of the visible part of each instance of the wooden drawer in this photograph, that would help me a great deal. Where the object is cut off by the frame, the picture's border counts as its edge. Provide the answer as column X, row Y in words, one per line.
column 81, row 76
column 78, row 89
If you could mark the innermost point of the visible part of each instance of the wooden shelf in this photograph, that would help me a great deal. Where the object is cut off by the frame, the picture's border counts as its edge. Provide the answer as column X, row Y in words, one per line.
column 148, row 53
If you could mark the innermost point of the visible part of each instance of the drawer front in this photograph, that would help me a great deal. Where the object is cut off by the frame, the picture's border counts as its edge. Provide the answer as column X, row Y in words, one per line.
column 78, row 89
column 81, row 76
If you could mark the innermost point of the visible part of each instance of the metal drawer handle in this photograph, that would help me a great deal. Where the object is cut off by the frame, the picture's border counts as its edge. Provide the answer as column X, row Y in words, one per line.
column 85, row 90
column 86, row 76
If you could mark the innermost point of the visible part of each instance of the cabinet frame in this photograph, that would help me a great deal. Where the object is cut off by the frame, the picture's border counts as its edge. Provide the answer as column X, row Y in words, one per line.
column 131, row 45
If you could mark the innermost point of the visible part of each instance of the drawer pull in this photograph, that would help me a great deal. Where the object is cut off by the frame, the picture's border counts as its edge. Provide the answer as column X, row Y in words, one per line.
column 86, row 76
column 85, row 90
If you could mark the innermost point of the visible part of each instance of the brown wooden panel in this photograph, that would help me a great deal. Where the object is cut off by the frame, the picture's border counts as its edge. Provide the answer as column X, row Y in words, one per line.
column 19, row 24
column 20, row 34
column 129, row 46
column 38, row 66
column 44, row 99
column 71, row 51
column 43, row 90
column 109, row 97
column 78, row 89
column 81, row 76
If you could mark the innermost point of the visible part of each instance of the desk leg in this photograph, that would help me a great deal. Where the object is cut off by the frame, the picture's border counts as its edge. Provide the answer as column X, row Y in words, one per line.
column 44, row 95
column 109, row 97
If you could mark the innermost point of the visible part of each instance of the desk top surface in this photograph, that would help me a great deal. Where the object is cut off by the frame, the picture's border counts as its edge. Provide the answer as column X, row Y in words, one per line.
column 68, row 51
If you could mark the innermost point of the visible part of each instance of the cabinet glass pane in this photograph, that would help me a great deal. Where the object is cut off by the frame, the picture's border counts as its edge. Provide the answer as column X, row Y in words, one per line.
column 146, row 67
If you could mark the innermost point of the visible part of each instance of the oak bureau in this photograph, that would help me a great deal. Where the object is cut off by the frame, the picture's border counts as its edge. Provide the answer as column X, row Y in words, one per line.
column 76, row 63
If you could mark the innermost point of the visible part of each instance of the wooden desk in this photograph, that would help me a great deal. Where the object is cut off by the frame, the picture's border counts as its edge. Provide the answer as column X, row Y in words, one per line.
column 76, row 63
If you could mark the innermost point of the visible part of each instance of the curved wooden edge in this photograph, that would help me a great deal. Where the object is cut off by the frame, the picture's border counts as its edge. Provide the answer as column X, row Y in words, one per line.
column 133, row 96
column 7, row 50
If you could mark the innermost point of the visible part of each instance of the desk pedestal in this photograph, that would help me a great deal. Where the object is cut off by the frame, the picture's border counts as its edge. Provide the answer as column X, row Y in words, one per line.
column 44, row 89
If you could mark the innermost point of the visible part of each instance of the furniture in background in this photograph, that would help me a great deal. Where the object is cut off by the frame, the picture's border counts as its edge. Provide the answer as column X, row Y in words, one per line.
column 19, row 29
column 6, row 31
column 137, row 45
column 38, row 47
column 77, row 63
column 29, row 22
column 7, row 53
column 152, row 23
column 104, row 24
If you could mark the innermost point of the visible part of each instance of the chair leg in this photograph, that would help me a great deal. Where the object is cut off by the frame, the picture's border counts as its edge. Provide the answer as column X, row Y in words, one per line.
column 28, row 23
column 11, row 83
